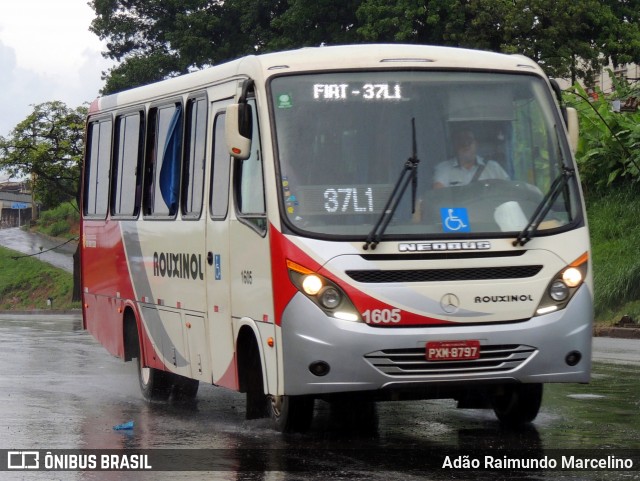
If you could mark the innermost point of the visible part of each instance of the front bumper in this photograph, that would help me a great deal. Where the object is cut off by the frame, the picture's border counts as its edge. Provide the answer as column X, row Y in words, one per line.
column 366, row 358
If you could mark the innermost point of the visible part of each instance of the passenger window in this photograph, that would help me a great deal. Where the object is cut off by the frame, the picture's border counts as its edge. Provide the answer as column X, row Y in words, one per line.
column 162, row 168
column 249, row 183
column 96, row 191
column 194, row 158
column 219, row 198
column 127, row 181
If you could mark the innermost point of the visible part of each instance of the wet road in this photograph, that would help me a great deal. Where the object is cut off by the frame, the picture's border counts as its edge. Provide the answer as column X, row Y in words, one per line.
column 29, row 243
column 59, row 389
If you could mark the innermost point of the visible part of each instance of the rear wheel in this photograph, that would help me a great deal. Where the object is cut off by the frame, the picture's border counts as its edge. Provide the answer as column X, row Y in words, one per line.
column 517, row 404
column 291, row 413
column 154, row 384
column 184, row 388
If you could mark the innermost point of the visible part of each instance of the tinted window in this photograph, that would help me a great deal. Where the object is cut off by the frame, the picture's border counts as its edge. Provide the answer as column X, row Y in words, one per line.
column 128, row 151
column 220, row 172
column 162, row 170
column 96, row 189
column 193, row 170
column 249, row 185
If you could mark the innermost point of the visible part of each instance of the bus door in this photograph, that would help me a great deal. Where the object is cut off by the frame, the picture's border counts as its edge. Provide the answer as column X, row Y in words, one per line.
column 218, row 259
column 252, row 284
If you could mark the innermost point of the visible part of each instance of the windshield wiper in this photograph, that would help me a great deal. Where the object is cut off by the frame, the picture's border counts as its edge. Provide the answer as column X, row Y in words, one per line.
column 409, row 174
column 545, row 206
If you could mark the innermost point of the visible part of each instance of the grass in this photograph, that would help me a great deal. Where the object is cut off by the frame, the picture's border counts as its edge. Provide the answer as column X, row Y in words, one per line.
column 614, row 222
column 26, row 284
column 63, row 221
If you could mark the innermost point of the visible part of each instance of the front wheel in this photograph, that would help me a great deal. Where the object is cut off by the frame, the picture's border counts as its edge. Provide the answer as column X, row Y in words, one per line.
column 517, row 404
column 291, row 413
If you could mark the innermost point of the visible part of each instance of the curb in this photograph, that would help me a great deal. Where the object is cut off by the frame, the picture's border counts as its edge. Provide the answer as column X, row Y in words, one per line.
column 618, row 332
column 39, row 312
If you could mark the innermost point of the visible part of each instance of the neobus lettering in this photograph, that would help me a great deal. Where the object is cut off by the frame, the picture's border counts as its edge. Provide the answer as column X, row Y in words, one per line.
column 444, row 246
column 182, row 266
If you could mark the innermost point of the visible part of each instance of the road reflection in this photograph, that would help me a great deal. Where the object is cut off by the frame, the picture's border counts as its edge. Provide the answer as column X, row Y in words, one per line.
column 60, row 390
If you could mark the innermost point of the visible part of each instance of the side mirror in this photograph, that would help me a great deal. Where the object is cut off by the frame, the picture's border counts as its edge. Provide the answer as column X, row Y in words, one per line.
column 238, row 128
column 573, row 128
column 238, row 124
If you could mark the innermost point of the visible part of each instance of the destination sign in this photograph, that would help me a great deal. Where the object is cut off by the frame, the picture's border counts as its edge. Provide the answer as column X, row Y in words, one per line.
column 367, row 91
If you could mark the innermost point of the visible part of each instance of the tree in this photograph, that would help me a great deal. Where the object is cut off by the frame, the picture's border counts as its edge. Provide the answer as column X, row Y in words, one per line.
column 47, row 147
column 310, row 23
column 572, row 39
column 569, row 39
column 472, row 24
column 155, row 39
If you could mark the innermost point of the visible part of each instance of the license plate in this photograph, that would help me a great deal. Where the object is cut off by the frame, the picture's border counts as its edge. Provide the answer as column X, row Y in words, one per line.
column 452, row 350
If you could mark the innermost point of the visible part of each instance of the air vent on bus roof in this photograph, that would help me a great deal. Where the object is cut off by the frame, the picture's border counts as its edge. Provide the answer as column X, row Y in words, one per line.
column 407, row 60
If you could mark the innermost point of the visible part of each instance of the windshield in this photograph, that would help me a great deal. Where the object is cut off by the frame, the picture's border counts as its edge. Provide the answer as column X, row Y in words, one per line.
column 488, row 146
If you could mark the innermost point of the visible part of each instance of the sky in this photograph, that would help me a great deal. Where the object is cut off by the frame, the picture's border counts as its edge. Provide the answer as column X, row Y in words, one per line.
column 47, row 53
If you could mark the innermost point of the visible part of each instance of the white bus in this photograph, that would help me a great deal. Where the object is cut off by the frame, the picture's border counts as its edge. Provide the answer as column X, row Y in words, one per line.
column 352, row 224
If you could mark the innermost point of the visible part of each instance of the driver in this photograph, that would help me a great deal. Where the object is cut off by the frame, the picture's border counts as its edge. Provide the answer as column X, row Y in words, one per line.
column 467, row 166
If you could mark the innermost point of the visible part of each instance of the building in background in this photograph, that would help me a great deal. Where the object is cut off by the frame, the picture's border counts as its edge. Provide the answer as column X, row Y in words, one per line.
column 628, row 72
column 15, row 204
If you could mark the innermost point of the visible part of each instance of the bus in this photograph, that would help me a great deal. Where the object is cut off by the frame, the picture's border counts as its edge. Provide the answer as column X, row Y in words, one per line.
column 279, row 225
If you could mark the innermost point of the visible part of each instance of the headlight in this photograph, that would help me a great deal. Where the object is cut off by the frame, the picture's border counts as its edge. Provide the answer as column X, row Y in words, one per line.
column 572, row 277
column 330, row 298
column 559, row 291
column 311, row 284
column 564, row 285
column 326, row 294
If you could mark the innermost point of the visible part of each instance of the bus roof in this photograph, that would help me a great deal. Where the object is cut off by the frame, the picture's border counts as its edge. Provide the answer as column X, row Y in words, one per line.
column 372, row 56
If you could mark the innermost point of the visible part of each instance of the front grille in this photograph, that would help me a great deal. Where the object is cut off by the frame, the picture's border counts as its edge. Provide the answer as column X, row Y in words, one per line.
column 413, row 362
column 443, row 275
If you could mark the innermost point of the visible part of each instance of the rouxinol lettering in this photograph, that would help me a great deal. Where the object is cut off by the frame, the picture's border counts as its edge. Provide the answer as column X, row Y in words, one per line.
column 181, row 266
column 511, row 298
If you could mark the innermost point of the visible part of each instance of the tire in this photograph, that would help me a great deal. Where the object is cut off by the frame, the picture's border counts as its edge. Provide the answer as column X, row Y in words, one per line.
column 517, row 404
column 184, row 389
column 291, row 413
column 355, row 415
column 256, row 406
column 155, row 385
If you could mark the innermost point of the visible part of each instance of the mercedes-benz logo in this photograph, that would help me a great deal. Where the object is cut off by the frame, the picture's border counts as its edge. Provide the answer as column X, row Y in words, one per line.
column 450, row 303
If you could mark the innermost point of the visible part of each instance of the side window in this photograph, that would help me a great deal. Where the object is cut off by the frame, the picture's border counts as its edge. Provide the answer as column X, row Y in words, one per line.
column 249, row 183
column 97, row 167
column 219, row 198
column 194, row 153
column 127, row 181
column 163, row 159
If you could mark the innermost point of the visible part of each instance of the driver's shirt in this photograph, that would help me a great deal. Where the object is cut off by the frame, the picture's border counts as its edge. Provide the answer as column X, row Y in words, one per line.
column 449, row 173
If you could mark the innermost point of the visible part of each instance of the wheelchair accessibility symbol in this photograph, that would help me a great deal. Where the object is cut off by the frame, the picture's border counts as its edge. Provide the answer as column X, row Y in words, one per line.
column 454, row 219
